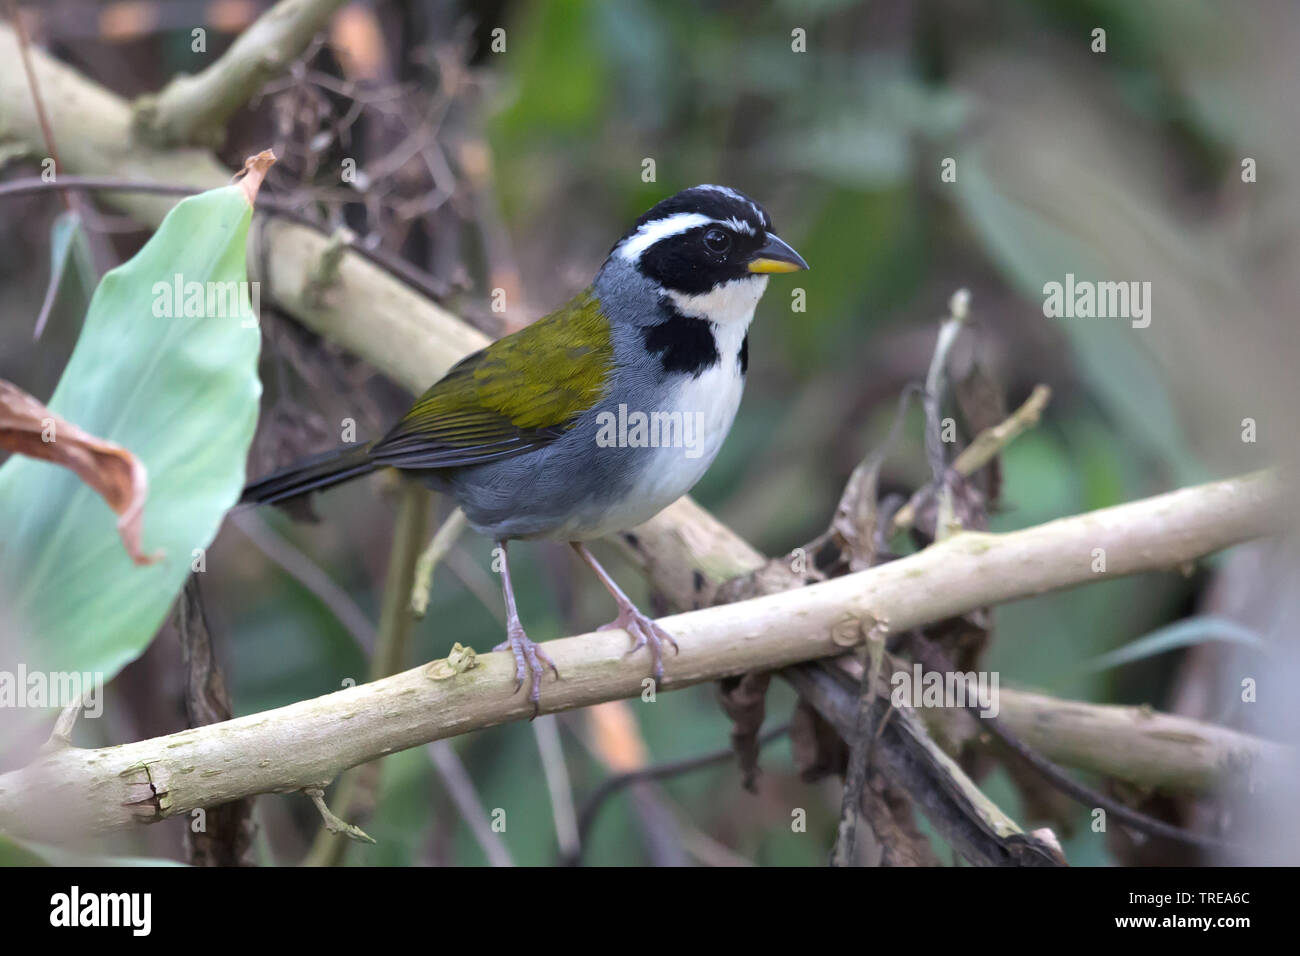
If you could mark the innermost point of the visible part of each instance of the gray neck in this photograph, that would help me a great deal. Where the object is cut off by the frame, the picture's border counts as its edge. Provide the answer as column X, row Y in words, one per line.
column 628, row 297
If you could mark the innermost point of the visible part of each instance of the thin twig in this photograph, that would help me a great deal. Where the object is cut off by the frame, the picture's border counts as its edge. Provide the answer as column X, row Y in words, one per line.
column 864, row 739
column 558, row 785
column 990, row 443
column 47, row 132
column 610, row 786
column 310, row 575
column 332, row 822
column 395, row 621
column 61, row 735
column 459, row 786
column 391, row 642
column 986, row 445
column 949, row 329
column 444, row 538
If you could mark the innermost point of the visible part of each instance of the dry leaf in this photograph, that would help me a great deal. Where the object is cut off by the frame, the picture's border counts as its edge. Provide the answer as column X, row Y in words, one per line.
column 744, row 698
column 818, row 750
column 250, row 177
column 29, row 428
column 983, row 405
column 460, row 659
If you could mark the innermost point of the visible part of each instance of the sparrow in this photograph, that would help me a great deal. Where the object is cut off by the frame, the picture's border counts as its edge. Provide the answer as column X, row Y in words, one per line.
column 596, row 417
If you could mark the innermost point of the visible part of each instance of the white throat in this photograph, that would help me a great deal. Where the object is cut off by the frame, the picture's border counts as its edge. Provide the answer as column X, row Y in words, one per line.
column 729, row 305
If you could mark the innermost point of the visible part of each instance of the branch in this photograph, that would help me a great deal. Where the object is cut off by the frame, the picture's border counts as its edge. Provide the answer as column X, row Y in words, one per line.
column 444, row 539
column 333, row 823
column 195, row 109
column 1136, row 744
column 75, row 791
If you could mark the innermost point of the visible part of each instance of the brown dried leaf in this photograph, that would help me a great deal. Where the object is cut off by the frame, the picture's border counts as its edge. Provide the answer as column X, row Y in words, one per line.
column 818, row 750
column 744, row 698
column 969, row 508
column 29, row 428
column 854, row 522
column 983, row 405
column 254, row 171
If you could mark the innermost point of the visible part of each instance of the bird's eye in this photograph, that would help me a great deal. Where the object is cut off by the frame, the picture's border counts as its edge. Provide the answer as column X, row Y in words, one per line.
column 717, row 240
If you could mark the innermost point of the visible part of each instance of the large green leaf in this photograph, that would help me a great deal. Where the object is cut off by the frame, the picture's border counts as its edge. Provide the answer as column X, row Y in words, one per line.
column 179, row 389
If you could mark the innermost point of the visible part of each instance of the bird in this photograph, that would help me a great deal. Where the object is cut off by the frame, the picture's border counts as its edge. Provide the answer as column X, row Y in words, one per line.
column 594, row 418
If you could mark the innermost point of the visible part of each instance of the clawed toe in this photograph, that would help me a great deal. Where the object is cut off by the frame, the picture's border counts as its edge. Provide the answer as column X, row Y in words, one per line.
column 645, row 632
column 530, row 662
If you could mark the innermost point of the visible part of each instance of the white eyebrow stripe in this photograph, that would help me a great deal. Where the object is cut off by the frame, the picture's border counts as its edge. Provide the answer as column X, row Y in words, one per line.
column 738, row 225
column 725, row 190
column 651, row 232
column 728, row 191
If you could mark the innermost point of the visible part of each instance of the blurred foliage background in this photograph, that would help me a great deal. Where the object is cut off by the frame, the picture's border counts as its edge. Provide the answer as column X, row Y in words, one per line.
column 516, row 169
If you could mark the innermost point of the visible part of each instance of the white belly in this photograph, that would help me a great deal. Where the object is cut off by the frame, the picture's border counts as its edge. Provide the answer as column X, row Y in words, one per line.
column 672, row 454
column 708, row 405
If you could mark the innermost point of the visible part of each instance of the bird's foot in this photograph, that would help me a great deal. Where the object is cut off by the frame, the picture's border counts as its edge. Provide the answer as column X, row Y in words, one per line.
column 531, row 662
column 645, row 633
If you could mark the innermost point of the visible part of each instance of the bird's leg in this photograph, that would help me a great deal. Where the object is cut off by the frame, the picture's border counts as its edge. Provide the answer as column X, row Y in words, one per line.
column 530, row 659
column 645, row 632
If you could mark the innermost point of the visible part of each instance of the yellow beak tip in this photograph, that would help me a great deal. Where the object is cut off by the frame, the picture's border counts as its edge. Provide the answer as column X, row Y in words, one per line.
column 771, row 266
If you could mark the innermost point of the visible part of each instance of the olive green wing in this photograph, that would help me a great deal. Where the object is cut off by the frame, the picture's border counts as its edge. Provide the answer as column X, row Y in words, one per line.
column 520, row 393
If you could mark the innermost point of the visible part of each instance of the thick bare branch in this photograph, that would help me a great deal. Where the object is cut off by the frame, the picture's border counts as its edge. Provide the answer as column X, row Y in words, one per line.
column 307, row 743
column 1137, row 744
column 195, row 109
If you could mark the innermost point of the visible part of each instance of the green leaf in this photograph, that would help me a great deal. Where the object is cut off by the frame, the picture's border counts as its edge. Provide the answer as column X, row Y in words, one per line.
column 1186, row 633
column 72, row 271
column 179, row 390
column 14, row 852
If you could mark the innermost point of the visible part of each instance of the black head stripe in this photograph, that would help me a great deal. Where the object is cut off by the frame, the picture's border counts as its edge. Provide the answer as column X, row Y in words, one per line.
column 716, row 202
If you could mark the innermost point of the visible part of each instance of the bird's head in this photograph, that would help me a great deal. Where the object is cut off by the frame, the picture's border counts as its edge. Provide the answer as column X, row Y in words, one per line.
column 708, row 248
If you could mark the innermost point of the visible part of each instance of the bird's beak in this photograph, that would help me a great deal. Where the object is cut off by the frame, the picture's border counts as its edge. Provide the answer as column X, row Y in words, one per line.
column 776, row 256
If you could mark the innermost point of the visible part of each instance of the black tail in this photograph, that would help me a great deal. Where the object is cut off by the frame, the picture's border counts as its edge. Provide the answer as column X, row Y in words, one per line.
column 310, row 474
